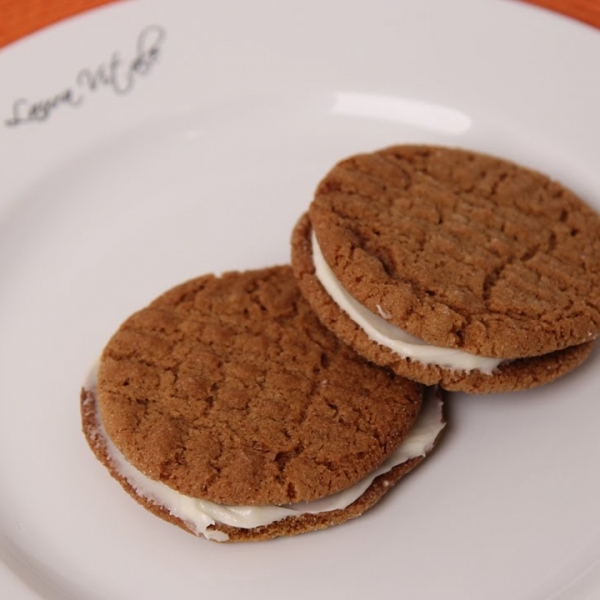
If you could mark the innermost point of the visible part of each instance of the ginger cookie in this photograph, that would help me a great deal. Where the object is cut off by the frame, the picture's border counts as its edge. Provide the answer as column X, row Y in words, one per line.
column 228, row 396
column 452, row 267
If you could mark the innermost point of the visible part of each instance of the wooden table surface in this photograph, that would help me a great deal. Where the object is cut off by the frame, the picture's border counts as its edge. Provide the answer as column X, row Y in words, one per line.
column 19, row 18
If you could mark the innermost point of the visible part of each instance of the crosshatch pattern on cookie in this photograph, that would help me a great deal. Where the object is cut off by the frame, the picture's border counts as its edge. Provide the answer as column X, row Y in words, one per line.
column 463, row 250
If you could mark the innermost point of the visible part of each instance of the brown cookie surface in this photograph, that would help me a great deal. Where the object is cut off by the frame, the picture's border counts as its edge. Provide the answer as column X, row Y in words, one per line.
column 294, row 525
column 463, row 250
column 515, row 375
column 230, row 390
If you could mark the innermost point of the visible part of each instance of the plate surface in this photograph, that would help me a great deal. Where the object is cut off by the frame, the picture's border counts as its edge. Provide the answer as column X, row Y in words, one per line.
column 146, row 143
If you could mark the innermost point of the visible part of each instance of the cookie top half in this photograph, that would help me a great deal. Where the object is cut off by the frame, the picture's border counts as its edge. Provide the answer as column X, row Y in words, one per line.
column 229, row 389
column 463, row 250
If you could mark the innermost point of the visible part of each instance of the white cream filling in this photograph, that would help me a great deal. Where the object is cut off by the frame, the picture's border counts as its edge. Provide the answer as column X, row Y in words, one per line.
column 201, row 514
column 379, row 330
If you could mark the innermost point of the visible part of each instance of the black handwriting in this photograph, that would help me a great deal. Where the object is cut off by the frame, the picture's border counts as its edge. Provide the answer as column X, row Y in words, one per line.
column 117, row 74
column 25, row 111
column 120, row 75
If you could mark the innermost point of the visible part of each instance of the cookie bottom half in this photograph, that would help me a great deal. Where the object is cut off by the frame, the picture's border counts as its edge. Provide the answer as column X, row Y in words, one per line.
column 289, row 526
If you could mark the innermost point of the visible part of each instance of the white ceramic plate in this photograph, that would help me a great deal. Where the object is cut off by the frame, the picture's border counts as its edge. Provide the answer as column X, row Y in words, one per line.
column 147, row 143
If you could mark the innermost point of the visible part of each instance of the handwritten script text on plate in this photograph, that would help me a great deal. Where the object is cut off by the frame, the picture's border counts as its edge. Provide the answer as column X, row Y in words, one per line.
column 116, row 74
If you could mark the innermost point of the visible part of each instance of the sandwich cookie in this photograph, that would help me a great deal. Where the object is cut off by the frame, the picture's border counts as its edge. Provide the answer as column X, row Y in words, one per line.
column 226, row 408
column 452, row 267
